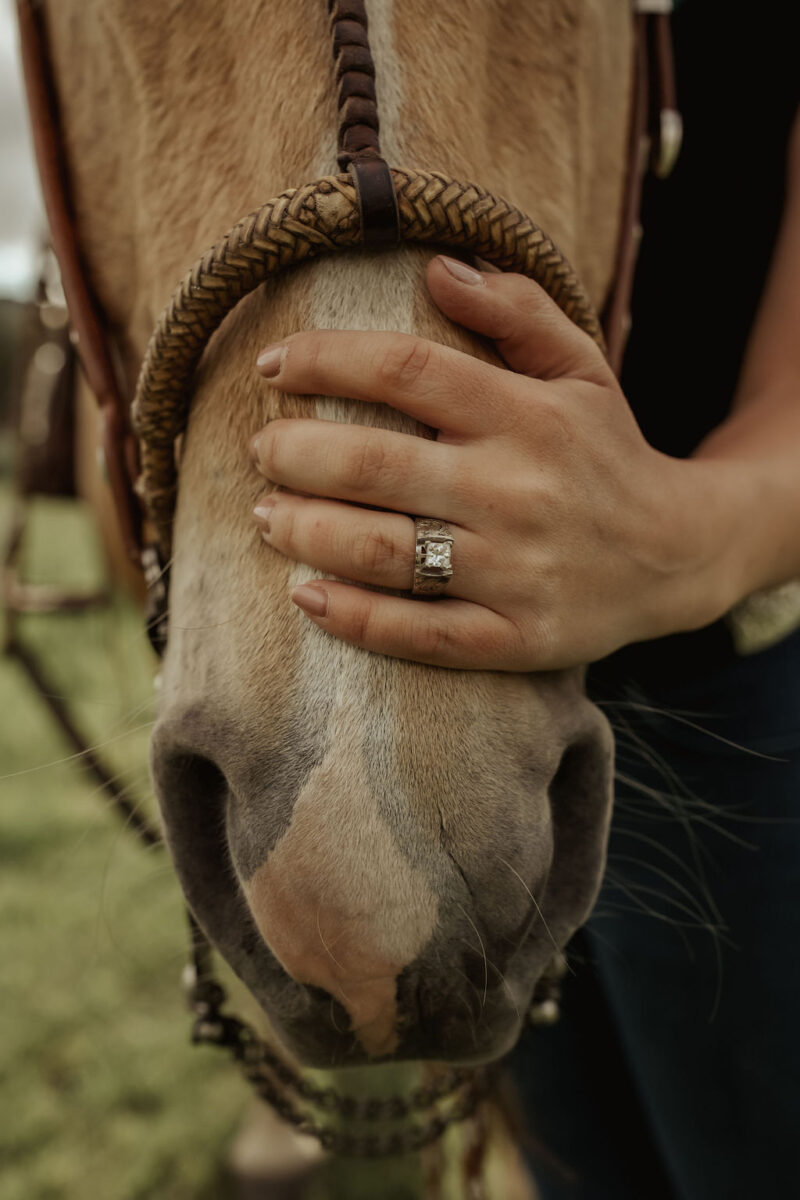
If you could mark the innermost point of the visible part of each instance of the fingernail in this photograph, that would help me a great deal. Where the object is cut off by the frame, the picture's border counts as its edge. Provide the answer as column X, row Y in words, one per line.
column 253, row 447
column 461, row 271
column 270, row 361
column 312, row 600
column 263, row 511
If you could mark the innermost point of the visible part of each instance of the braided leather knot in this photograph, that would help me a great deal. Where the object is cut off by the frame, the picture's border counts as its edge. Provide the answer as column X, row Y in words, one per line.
column 355, row 74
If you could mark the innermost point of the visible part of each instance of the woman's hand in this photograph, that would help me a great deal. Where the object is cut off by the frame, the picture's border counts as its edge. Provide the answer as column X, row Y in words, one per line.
column 572, row 535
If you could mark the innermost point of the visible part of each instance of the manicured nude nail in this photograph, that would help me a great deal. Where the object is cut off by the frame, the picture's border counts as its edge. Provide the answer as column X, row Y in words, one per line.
column 312, row 600
column 263, row 511
column 461, row 271
column 253, row 447
column 270, row 361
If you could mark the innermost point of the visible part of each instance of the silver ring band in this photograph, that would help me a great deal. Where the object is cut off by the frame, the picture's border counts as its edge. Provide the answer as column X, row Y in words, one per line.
column 433, row 559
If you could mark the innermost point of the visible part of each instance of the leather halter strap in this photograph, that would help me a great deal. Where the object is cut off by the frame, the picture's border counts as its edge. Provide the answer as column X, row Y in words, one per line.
column 654, row 139
column 89, row 329
column 359, row 125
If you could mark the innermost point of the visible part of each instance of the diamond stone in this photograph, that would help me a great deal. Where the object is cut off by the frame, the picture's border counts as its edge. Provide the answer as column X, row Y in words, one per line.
column 437, row 554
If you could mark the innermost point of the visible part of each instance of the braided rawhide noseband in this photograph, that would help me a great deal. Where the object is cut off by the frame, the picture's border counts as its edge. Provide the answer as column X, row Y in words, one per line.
column 300, row 224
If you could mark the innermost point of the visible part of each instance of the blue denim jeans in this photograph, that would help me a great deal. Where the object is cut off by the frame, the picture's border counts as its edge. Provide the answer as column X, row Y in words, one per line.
column 675, row 1069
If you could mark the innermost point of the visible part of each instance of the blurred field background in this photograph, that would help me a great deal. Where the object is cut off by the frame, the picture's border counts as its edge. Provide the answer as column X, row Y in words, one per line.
column 101, row 1092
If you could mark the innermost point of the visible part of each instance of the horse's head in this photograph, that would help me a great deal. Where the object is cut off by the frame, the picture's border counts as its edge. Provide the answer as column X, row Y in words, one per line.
column 388, row 854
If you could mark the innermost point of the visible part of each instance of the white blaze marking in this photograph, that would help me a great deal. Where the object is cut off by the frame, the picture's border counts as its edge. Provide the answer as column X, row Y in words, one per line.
column 397, row 911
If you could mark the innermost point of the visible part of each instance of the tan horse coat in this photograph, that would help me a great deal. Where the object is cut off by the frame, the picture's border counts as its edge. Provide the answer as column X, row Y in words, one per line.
column 385, row 852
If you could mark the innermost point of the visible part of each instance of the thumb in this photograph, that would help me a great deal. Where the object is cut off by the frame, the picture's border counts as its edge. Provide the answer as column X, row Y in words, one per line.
column 531, row 332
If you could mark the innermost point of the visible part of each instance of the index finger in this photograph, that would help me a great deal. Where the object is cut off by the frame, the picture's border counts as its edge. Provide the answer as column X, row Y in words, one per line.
column 436, row 384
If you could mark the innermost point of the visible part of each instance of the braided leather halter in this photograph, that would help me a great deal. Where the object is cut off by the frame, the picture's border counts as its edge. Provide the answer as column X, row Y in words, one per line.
column 369, row 205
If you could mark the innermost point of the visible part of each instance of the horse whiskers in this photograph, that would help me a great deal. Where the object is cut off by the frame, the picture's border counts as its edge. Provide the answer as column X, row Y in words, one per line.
column 325, row 945
column 162, row 868
column 653, row 759
column 682, row 719
column 107, row 805
column 693, row 819
column 718, row 936
column 78, row 755
column 679, row 806
column 696, row 920
column 473, row 1022
column 483, row 952
column 475, row 1017
column 697, row 879
column 535, row 903
column 730, row 813
column 638, row 897
column 127, row 717
column 705, row 917
column 72, row 697
column 645, row 705
column 679, row 793
column 164, row 571
column 332, row 1014
column 201, row 628
column 661, row 874
column 130, row 777
column 506, row 986
column 676, row 806
column 122, row 829
column 683, row 802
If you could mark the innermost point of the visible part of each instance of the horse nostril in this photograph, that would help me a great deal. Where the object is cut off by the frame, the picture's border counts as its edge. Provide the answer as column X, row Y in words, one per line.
column 580, row 795
column 189, row 785
column 583, row 769
column 195, row 775
column 192, row 793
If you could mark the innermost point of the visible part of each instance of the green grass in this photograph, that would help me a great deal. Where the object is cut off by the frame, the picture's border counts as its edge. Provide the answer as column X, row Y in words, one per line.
column 101, row 1094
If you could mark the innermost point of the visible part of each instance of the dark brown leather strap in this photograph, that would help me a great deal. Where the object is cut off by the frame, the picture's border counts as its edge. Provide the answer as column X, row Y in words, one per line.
column 359, row 127
column 654, row 140
column 377, row 201
column 616, row 315
column 355, row 77
column 666, row 125
column 91, row 334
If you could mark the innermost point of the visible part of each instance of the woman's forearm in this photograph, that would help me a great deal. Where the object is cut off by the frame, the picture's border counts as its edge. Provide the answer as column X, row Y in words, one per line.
column 761, row 437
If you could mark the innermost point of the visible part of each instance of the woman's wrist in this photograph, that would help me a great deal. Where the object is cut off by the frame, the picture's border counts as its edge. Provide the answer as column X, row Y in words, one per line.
column 706, row 564
column 759, row 448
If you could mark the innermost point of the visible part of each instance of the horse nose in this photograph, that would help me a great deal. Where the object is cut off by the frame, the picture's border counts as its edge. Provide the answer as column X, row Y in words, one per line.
column 342, row 910
column 371, row 926
column 328, row 943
